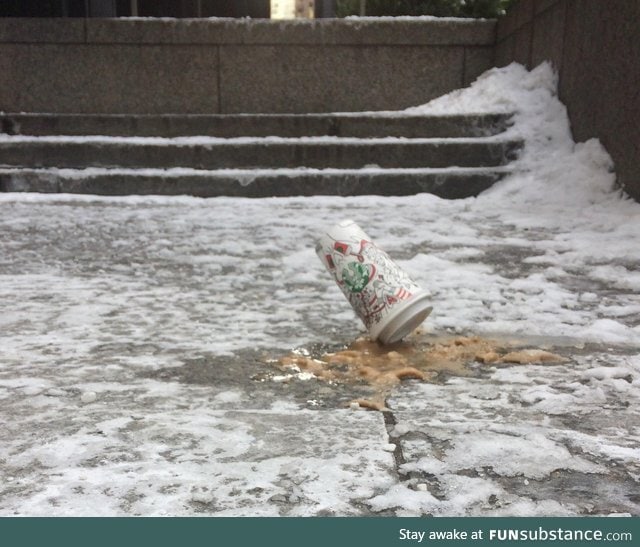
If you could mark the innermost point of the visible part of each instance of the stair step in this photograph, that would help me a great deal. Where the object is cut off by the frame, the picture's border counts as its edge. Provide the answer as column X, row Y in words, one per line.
column 376, row 124
column 450, row 183
column 212, row 153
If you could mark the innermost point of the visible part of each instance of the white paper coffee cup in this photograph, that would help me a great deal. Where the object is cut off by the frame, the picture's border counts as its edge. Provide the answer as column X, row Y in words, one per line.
column 387, row 300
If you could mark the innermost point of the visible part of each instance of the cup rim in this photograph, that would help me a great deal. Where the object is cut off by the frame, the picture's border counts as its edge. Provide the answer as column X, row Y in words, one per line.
column 403, row 319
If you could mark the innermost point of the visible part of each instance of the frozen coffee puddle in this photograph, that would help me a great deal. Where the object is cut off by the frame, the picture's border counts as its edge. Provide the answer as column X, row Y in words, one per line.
column 429, row 360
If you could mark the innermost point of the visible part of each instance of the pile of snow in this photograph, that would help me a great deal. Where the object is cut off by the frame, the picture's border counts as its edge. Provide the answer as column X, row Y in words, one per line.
column 563, row 189
column 553, row 169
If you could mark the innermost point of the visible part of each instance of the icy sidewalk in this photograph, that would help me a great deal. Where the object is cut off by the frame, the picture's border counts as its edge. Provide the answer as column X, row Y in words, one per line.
column 167, row 311
column 135, row 335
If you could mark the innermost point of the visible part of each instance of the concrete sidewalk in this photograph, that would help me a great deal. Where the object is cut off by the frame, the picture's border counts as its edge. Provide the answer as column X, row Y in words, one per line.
column 136, row 375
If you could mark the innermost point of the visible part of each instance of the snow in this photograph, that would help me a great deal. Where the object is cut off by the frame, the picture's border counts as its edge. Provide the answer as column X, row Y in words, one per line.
column 246, row 176
column 89, row 397
column 101, row 293
column 209, row 141
column 410, row 18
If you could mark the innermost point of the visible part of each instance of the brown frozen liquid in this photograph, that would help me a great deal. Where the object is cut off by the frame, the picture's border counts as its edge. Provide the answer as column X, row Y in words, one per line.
column 384, row 366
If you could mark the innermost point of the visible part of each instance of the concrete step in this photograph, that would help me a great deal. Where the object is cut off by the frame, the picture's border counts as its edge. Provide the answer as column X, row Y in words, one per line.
column 256, row 125
column 212, row 153
column 450, row 183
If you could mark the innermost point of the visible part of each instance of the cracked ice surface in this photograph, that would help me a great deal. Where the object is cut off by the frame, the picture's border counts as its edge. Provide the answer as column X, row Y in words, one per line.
column 102, row 298
column 532, row 440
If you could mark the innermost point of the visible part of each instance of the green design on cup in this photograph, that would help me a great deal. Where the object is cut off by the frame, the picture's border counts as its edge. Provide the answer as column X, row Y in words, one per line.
column 355, row 276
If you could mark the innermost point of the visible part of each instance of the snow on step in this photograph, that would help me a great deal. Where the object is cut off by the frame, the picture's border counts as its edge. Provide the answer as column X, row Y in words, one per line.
column 207, row 153
column 451, row 182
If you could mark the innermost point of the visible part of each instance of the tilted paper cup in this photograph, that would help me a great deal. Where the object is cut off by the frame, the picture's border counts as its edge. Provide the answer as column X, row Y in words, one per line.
column 388, row 301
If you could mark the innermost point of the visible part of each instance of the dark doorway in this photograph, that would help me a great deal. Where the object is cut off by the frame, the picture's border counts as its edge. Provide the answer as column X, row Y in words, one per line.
column 204, row 8
column 257, row 9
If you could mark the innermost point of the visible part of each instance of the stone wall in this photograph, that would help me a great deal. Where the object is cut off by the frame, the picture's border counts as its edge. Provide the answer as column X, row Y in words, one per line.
column 235, row 65
column 595, row 46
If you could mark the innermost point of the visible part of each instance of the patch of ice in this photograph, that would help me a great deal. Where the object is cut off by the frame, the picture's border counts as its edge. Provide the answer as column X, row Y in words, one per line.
column 610, row 331
column 228, row 397
column 532, row 455
column 89, row 397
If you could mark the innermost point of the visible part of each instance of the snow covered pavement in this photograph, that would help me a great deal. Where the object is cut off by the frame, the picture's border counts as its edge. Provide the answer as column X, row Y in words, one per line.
column 136, row 335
